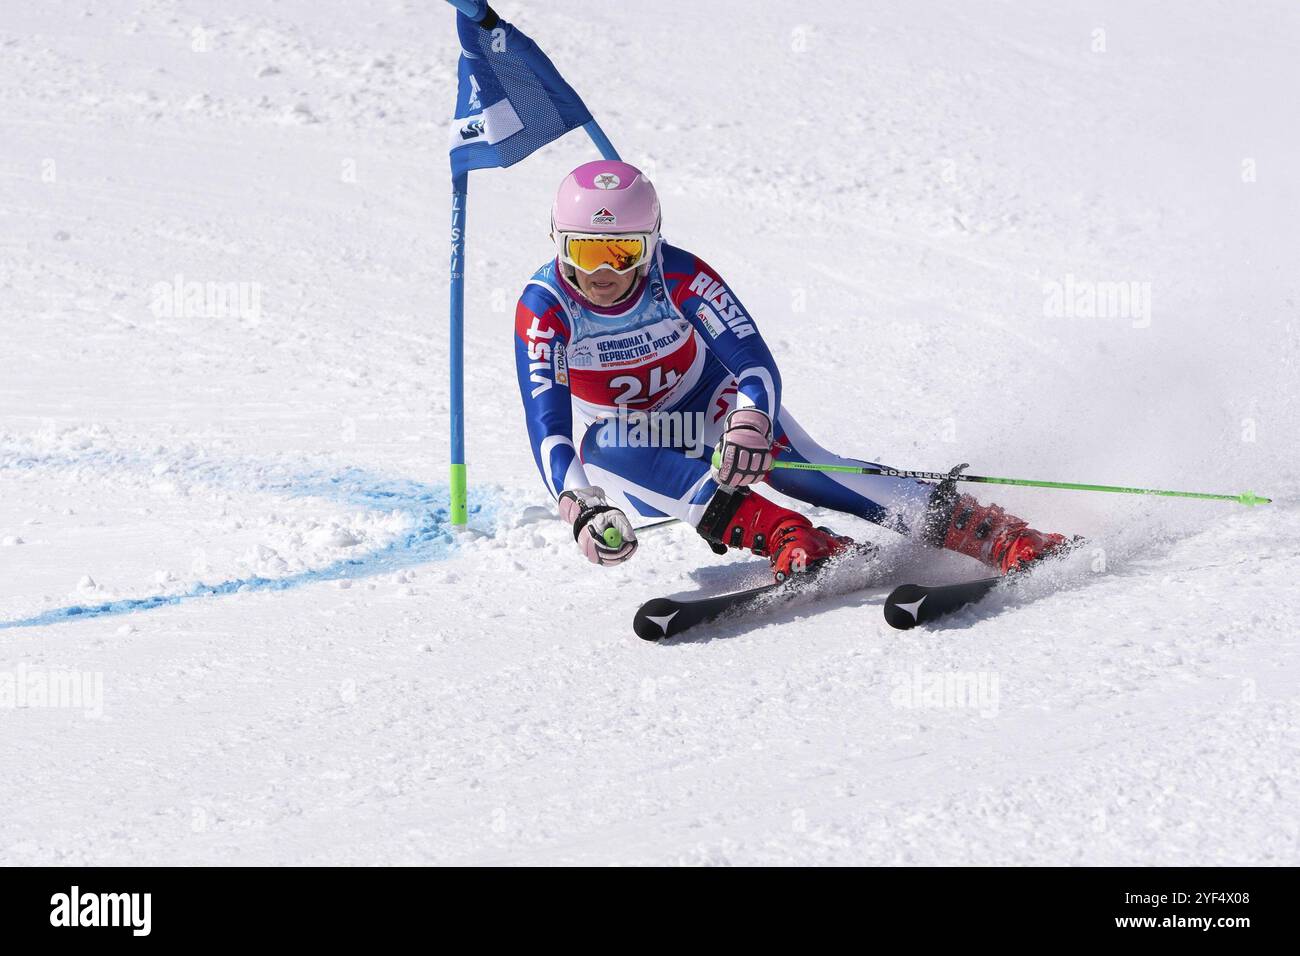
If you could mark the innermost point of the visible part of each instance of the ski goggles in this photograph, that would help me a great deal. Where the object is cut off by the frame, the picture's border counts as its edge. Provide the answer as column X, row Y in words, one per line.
column 620, row 253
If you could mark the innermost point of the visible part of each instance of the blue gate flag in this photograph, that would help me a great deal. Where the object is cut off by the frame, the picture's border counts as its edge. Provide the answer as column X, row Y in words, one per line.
column 511, row 99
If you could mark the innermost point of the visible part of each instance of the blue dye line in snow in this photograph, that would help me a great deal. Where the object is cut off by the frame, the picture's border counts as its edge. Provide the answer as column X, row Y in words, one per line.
column 431, row 541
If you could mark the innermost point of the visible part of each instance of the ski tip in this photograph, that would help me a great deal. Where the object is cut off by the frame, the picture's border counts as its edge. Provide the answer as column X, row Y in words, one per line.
column 654, row 619
column 903, row 606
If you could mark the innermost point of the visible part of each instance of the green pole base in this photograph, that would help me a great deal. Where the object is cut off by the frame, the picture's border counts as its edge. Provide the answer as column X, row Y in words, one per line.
column 459, row 497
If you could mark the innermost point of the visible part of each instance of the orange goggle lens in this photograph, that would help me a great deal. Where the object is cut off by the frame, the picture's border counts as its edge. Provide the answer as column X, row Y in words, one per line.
column 619, row 253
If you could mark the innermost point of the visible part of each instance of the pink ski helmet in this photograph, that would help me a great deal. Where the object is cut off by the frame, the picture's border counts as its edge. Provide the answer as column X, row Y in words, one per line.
column 605, row 198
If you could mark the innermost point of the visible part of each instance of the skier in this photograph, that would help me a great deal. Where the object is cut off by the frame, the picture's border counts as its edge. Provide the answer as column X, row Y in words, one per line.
column 663, row 364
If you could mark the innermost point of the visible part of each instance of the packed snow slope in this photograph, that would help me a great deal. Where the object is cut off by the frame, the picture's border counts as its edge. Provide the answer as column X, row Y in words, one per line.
column 228, row 515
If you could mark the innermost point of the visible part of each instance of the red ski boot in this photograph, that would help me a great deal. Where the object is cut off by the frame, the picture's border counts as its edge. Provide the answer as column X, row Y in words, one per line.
column 989, row 534
column 745, row 519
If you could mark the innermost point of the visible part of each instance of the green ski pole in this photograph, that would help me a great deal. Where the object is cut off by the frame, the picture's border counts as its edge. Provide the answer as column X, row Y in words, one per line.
column 1245, row 498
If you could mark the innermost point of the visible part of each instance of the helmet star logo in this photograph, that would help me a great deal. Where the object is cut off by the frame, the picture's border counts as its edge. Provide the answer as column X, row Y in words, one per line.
column 607, row 181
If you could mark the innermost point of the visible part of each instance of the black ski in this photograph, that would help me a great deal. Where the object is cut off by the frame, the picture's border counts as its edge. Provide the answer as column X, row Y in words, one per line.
column 911, row 604
column 663, row 617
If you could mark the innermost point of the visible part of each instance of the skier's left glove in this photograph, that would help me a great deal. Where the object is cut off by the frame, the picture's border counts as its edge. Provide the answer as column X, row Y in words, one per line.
column 745, row 450
column 602, row 531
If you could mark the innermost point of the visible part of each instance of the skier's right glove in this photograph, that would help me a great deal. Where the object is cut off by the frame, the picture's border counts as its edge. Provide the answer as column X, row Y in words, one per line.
column 602, row 531
column 745, row 449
